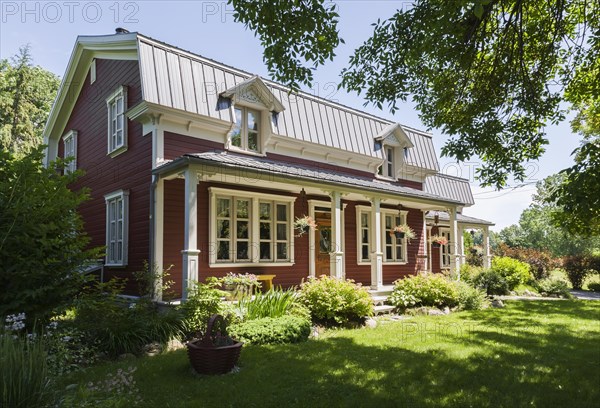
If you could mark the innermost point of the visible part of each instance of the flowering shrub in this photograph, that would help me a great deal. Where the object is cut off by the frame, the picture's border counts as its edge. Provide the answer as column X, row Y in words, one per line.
column 335, row 301
column 239, row 285
column 423, row 290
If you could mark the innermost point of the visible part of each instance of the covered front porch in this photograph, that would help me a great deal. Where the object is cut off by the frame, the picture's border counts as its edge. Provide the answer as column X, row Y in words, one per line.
column 216, row 213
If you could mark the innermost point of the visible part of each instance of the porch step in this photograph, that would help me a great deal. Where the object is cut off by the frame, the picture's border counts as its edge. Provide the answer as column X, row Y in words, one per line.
column 381, row 309
column 378, row 299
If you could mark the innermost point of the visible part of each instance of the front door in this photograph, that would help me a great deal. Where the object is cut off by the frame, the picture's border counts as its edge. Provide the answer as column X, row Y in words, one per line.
column 322, row 243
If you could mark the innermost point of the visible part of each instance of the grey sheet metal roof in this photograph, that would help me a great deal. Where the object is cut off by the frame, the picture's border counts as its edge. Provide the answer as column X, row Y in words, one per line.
column 443, row 216
column 263, row 165
column 455, row 188
column 179, row 79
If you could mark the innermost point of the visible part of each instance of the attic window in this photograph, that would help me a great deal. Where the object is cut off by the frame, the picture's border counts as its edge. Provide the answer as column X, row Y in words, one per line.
column 387, row 169
column 117, row 122
column 245, row 134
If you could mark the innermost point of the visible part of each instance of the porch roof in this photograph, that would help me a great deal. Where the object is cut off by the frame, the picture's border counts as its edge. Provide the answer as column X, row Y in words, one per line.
column 296, row 171
column 462, row 219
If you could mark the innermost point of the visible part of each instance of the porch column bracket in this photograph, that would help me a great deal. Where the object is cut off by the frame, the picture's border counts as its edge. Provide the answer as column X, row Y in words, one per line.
column 376, row 254
column 190, row 238
column 336, row 254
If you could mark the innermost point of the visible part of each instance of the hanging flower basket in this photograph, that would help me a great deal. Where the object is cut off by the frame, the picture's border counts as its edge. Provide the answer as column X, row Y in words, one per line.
column 437, row 241
column 215, row 352
column 303, row 224
column 402, row 231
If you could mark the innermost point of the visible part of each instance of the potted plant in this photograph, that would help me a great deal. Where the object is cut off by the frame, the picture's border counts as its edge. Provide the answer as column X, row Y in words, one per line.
column 302, row 224
column 239, row 285
column 215, row 352
column 402, row 231
column 438, row 240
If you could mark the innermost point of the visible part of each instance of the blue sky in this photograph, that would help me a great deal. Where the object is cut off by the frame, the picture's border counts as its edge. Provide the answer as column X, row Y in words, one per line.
column 208, row 28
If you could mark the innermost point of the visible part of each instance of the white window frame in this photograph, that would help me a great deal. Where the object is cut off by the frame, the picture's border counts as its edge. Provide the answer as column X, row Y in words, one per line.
column 360, row 210
column 254, row 227
column 70, row 150
column 363, row 209
column 384, row 233
column 383, row 171
column 258, row 113
column 445, row 249
column 119, row 197
column 115, row 148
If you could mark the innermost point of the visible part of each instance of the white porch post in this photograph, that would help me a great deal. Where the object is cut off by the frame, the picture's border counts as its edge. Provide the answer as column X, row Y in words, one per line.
column 487, row 258
column 376, row 253
column 453, row 244
column 159, row 197
column 461, row 245
column 337, row 254
column 425, row 244
column 190, row 240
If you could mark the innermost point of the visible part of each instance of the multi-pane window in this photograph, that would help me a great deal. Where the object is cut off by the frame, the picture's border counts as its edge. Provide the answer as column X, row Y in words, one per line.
column 116, row 228
column 117, row 123
column 389, row 162
column 365, row 247
column 233, row 229
column 445, row 250
column 274, row 231
column 245, row 134
column 393, row 247
column 234, row 226
column 70, row 147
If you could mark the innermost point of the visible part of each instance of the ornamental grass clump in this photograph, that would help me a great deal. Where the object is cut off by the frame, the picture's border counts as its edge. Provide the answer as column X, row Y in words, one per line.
column 24, row 380
column 334, row 301
column 274, row 303
column 424, row 290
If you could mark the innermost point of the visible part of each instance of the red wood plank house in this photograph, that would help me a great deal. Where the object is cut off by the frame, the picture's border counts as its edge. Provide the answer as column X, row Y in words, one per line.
column 205, row 167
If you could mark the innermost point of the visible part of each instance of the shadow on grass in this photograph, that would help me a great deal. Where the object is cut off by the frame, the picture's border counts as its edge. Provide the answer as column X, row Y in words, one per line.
column 534, row 361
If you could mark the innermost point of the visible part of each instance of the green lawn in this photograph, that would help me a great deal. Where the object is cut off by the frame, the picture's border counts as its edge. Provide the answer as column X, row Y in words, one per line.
column 534, row 354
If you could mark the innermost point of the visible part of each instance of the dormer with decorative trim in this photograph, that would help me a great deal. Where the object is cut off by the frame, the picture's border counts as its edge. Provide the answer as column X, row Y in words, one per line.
column 393, row 143
column 254, row 110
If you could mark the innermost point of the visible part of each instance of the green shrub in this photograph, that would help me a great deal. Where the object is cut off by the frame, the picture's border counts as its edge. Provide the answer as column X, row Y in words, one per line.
column 274, row 303
column 540, row 262
column 554, row 286
column 468, row 273
column 492, row 283
column 470, row 298
column 42, row 240
column 513, row 271
column 578, row 267
column 424, row 290
column 204, row 300
column 335, row 301
column 120, row 325
column 23, row 372
column 594, row 286
column 269, row 330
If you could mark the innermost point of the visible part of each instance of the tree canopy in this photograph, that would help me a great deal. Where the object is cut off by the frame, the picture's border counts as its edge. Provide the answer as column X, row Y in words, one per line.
column 26, row 96
column 490, row 74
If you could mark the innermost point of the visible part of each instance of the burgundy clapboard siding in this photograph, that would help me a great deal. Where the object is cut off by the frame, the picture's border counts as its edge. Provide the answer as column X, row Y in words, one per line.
column 103, row 175
column 286, row 275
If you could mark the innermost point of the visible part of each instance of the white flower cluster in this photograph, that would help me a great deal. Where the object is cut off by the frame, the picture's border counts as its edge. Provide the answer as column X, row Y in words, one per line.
column 15, row 323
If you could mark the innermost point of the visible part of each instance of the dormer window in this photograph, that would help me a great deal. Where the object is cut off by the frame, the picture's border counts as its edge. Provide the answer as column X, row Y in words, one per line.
column 389, row 162
column 117, row 122
column 246, row 131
